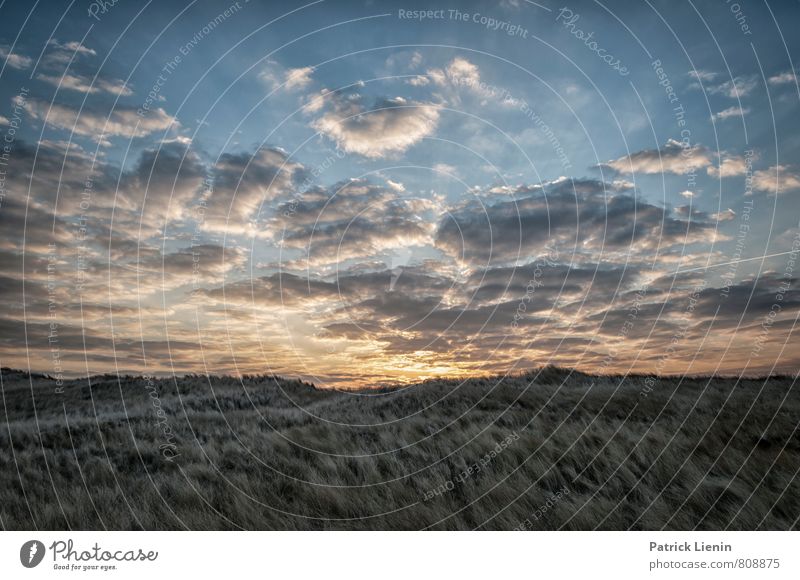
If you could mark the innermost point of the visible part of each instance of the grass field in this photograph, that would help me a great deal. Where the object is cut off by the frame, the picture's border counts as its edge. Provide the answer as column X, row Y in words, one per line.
column 550, row 449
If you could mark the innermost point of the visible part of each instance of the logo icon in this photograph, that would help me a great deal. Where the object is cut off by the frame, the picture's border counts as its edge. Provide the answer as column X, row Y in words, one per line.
column 31, row 553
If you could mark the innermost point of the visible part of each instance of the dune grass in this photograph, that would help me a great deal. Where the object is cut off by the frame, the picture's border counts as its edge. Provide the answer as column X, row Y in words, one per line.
column 550, row 449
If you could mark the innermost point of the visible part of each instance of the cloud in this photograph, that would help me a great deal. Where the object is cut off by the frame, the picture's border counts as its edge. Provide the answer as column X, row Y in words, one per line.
column 776, row 179
column 688, row 194
column 32, row 228
column 287, row 79
column 418, row 81
column 729, row 166
column 587, row 218
column 200, row 263
column 155, row 191
column 783, row 78
column 84, row 84
column 444, row 168
column 730, row 112
column 674, row 157
column 160, row 188
column 58, row 169
column 724, row 216
column 241, row 182
column 355, row 219
column 703, row 75
column 735, row 88
column 567, row 282
column 64, row 59
column 121, row 121
column 390, row 126
column 461, row 75
column 14, row 60
column 298, row 78
column 460, row 71
column 750, row 298
column 664, row 313
column 60, row 54
column 275, row 290
column 359, row 238
column 72, row 46
column 396, row 186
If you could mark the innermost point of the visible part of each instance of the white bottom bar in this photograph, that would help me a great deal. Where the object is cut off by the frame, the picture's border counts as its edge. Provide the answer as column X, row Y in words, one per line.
column 404, row 555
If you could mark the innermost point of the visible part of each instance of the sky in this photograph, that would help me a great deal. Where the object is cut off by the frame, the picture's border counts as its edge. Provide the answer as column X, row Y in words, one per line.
column 377, row 192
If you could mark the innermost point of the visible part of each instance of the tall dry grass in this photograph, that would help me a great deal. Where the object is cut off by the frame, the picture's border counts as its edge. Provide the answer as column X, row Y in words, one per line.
column 266, row 453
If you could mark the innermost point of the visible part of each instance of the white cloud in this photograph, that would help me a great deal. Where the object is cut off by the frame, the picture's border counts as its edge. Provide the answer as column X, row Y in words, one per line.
column 783, row 78
column 437, row 76
column 391, row 126
column 672, row 158
column 730, row 112
column 461, row 74
column 13, row 60
column 776, row 179
column 460, row 71
column 396, row 186
column 729, row 166
column 724, row 216
column 418, row 81
column 444, row 168
column 72, row 46
column 703, row 75
column 688, row 194
column 298, row 78
column 122, row 121
column 735, row 88
column 287, row 79
column 85, row 85
column 315, row 102
column 61, row 54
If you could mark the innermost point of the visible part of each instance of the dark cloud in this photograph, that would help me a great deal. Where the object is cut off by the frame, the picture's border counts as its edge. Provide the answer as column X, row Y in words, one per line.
column 163, row 183
column 352, row 220
column 515, row 231
column 200, row 263
column 242, row 182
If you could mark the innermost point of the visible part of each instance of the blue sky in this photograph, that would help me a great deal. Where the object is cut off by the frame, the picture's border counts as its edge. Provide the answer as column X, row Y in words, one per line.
column 362, row 191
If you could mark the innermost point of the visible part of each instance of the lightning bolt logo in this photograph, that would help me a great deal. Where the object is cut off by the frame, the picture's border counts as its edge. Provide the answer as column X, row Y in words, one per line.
column 31, row 553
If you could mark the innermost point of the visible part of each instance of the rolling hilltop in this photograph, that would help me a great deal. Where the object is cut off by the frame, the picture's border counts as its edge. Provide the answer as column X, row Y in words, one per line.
column 549, row 449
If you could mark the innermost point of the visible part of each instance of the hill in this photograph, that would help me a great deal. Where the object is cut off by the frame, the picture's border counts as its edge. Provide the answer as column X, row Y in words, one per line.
column 548, row 449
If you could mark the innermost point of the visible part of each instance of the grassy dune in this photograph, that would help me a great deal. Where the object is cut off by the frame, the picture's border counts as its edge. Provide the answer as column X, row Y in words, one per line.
column 545, row 450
